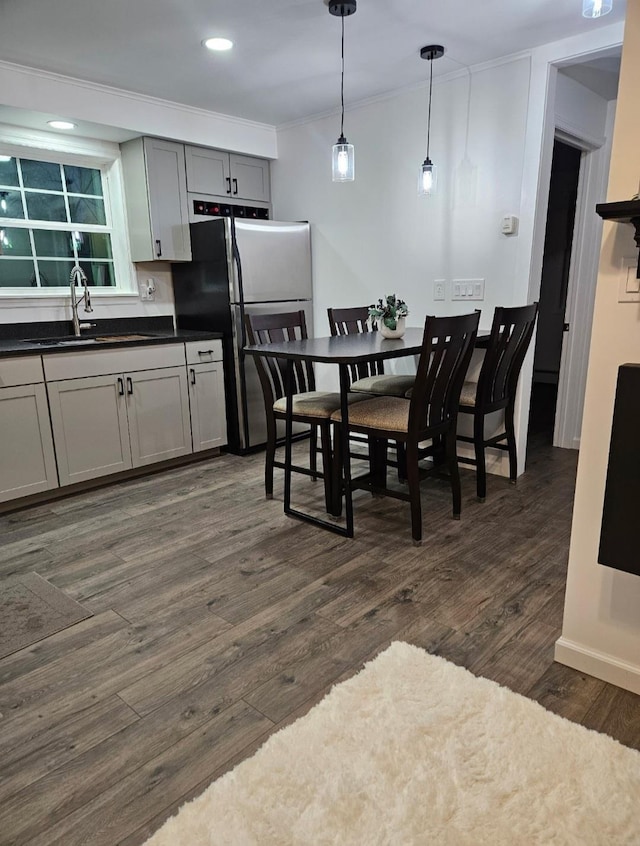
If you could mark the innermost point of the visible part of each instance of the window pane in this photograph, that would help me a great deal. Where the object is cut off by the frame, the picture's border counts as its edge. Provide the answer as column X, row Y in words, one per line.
column 41, row 175
column 11, row 205
column 17, row 274
column 54, row 274
column 99, row 274
column 93, row 245
column 9, row 173
column 51, row 243
column 45, row 206
column 84, row 210
column 14, row 242
column 83, row 180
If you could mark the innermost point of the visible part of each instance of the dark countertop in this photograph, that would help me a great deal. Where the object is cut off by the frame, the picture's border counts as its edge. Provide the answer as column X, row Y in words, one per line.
column 28, row 339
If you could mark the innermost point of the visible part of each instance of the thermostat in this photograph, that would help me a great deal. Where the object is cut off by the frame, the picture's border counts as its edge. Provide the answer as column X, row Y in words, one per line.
column 509, row 224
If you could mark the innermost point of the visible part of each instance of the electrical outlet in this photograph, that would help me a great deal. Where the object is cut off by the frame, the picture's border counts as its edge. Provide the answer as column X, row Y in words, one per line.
column 439, row 289
column 148, row 289
column 468, row 289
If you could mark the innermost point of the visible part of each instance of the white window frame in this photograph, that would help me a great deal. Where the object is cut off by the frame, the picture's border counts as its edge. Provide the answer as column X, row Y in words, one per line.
column 83, row 152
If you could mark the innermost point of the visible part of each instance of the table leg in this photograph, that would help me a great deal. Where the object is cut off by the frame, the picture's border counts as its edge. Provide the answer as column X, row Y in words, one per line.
column 288, row 429
column 344, row 443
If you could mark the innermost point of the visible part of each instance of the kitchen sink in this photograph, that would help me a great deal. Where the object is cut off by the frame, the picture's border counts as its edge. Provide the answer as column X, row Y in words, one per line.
column 51, row 342
column 73, row 341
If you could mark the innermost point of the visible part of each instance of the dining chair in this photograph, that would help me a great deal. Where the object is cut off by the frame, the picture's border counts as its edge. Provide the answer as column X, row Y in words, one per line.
column 429, row 414
column 310, row 407
column 511, row 333
column 366, row 377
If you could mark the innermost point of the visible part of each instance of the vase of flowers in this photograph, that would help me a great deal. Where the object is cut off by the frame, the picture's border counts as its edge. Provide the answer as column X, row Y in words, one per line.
column 389, row 314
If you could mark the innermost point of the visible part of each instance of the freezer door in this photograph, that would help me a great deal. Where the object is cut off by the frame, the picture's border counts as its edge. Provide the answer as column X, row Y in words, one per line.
column 275, row 259
column 252, row 405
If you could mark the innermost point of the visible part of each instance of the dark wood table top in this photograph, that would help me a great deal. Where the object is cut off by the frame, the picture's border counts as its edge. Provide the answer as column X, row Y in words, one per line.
column 349, row 349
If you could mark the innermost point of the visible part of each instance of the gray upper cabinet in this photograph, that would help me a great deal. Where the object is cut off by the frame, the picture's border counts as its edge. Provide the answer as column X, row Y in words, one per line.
column 156, row 197
column 221, row 174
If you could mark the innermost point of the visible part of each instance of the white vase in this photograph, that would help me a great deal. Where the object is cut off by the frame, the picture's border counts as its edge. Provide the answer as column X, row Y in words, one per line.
column 398, row 332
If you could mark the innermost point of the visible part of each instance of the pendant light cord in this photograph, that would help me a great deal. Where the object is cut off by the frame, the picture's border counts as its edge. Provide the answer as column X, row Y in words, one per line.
column 342, row 85
column 430, row 93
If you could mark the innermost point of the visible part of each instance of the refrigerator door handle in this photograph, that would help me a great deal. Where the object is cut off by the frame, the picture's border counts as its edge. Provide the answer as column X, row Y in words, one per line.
column 243, row 334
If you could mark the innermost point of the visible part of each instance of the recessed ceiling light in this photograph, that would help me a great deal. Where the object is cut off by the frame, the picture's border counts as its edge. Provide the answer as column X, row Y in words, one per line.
column 219, row 44
column 61, row 124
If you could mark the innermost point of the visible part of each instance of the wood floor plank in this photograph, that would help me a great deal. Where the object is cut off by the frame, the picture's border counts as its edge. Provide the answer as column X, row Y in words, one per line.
column 54, row 745
column 169, row 774
column 616, row 712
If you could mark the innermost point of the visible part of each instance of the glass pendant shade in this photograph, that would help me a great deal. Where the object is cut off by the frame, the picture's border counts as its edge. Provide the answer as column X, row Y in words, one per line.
column 596, row 8
column 427, row 179
column 343, row 161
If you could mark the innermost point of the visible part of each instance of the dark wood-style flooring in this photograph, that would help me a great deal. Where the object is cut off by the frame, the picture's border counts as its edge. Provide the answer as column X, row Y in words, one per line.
column 217, row 620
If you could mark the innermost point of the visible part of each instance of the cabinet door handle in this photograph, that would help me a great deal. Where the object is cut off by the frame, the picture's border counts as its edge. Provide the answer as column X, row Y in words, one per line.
column 158, row 248
column 235, row 187
column 228, row 179
column 129, row 385
column 205, row 352
column 193, row 375
column 120, row 386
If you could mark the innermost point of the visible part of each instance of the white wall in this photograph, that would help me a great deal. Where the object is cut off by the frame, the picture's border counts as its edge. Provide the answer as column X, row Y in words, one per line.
column 375, row 236
column 579, row 111
column 601, row 629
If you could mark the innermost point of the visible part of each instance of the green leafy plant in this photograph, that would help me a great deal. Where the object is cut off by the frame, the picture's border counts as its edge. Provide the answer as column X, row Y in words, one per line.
column 389, row 310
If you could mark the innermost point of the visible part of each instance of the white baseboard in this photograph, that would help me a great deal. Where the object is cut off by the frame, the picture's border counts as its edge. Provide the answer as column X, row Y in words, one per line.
column 598, row 664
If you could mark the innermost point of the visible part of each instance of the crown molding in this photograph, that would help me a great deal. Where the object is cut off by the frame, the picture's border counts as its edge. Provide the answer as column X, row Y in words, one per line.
column 97, row 87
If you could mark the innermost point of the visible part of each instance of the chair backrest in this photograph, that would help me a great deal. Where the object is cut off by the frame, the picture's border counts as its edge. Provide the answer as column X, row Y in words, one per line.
column 510, row 337
column 274, row 328
column 352, row 321
column 447, row 347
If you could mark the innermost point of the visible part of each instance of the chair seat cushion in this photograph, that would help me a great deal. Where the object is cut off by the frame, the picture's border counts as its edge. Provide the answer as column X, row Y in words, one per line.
column 319, row 404
column 384, row 385
column 468, row 395
column 388, row 413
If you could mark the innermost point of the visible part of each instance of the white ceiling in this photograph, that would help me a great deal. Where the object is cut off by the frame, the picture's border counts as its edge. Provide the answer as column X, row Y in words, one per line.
column 286, row 62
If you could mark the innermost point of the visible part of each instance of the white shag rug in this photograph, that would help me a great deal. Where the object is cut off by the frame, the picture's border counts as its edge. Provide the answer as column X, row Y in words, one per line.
column 415, row 750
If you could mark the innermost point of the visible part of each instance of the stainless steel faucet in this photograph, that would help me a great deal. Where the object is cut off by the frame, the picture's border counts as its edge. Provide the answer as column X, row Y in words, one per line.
column 78, row 275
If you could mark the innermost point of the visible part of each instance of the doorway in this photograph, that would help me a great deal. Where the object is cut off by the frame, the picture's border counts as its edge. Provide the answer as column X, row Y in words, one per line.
column 556, row 264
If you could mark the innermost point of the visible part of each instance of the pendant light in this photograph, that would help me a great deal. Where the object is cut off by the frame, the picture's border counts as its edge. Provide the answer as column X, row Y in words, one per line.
column 427, row 178
column 596, row 8
column 343, row 155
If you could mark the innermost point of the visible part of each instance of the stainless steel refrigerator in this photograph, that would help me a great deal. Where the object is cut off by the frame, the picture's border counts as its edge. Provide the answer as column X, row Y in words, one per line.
column 242, row 267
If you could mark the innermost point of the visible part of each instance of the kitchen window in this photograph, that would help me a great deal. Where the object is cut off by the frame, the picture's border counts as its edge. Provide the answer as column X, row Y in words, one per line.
column 54, row 214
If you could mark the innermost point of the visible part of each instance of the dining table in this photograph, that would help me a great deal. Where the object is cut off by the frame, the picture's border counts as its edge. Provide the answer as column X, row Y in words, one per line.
column 344, row 351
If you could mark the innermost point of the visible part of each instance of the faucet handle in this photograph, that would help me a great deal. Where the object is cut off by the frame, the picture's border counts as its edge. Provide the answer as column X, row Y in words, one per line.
column 88, row 325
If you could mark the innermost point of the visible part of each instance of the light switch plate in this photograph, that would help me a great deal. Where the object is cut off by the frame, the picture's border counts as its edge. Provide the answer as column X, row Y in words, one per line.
column 468, row 289
column 629, row 284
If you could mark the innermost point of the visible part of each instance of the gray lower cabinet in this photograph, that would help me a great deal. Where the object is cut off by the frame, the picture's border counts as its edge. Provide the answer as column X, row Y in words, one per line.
column 206, row 394
column 27, row 459
column 90, row 427
column 106, row 424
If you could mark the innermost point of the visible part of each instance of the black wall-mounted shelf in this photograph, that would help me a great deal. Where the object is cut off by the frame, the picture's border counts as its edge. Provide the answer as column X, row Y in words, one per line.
column 627, row 211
